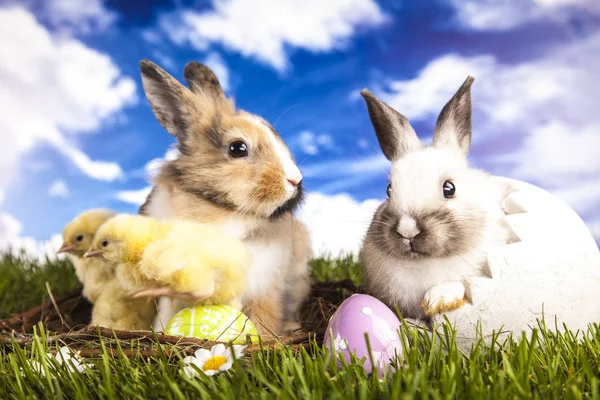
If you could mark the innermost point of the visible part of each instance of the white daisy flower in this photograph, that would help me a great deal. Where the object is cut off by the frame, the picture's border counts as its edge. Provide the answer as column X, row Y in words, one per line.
column 72, row 361
column 218, row 359
column 35, row 367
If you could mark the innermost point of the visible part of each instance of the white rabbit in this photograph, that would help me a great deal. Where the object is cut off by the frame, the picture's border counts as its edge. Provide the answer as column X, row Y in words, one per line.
column 441, row 217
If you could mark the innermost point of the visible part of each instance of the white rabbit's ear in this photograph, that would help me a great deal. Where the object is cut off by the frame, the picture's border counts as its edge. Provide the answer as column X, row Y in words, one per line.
column 172, row 103
column 453, row 127
column 395, row 134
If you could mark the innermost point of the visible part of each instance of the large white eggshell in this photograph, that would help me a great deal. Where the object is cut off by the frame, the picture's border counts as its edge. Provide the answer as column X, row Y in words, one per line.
column 553, row 271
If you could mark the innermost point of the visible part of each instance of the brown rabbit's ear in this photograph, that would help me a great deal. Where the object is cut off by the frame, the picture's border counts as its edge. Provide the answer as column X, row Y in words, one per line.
column 395, row 134
column 203, row 81
column 172, row 103
column 453, row 127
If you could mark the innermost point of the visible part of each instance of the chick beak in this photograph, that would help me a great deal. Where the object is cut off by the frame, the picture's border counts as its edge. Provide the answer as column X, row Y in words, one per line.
column 65, row 248
column 92, row 253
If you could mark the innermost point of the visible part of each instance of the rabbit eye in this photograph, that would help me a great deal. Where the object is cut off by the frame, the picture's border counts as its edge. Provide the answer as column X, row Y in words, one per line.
column 79, row 238
column 104, row 243
column 448, row 189
column 388, row 190
column 238, row 149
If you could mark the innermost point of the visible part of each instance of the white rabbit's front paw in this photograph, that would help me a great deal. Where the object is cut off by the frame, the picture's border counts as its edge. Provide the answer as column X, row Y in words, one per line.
column 443, row 297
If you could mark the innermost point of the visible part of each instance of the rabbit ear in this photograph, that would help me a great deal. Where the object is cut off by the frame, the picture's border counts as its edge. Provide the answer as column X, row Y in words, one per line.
column 394, row 133
column 202, row 80
column 172, row 103
column 453, row 127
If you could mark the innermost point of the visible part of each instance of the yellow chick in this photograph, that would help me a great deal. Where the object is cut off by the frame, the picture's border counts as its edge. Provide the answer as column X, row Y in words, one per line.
column 179, row 259
column 115, row 309
column 78, row 234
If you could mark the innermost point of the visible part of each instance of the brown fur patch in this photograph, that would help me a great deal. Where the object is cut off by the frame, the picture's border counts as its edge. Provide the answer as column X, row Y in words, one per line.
column 205, row 184
column 265, row 189
column 250, row 184
column 205, row 123
column 266, row 313
column 297, row 280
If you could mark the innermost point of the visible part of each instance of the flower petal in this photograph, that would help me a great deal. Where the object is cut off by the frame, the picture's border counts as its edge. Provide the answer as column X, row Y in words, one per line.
column 239, row 350
column 190, row 360
column 210, row 372
column 189, row 371
column 226, row 366
column 218, row 350
column 202, row 355
column 36, row 367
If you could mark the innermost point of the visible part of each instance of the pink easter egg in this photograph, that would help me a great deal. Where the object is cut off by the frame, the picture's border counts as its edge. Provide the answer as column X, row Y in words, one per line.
column 362, row 314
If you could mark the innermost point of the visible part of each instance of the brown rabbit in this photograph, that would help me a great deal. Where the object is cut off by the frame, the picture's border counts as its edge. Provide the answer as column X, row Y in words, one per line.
column 233, row 171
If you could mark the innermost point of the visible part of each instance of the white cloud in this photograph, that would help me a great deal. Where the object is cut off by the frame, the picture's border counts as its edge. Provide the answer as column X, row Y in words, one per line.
column 164, row 60
column 54, row 87
column 135, row 197
column 549, row 104
column 337, row 224
column 311, row 143
column 376, row 164
column 73, row 16
column 151, row 169
column 59, row 189
column 363, row 143
column 582, row 195
column 99, row 170
column 425, row 95
column 557, row 153
column 215, row 62
column 151, row 36
column 11, row 240
column 266, row 32
column 82, row 16
column 495, row 15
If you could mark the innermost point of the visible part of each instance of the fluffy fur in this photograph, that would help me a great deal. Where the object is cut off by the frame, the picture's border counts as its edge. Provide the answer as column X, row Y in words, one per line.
column 251, row 197
column 78, row 234
column 116, row 310
column 422, row 247
column 190, row 259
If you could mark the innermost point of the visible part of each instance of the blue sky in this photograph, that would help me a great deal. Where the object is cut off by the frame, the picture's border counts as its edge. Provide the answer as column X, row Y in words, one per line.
column 77, row 132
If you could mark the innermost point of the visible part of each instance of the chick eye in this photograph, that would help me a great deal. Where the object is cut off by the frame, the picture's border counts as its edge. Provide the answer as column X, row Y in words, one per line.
column 79, row 238
column 388, row 191
column 104, row 243
column 448, row 189
column 238, row 149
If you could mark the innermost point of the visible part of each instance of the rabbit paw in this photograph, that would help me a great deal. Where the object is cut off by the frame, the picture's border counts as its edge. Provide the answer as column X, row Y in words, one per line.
column 443, row 297
column 290, row 327
column 154, row 292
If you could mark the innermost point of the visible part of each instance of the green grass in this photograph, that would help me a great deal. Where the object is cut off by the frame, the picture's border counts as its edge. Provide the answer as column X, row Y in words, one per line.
column 23, row 282
column 548, row 365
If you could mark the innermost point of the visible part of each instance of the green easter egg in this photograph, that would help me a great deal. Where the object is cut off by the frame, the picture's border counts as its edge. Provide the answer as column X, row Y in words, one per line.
column 216, row 323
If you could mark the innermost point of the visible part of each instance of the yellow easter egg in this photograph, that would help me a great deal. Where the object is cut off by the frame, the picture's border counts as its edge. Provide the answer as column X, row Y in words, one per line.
column 215, row 323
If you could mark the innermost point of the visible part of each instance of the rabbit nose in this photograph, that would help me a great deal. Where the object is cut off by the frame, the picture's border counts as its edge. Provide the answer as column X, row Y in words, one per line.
column 407, row 228
column 294, row 182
